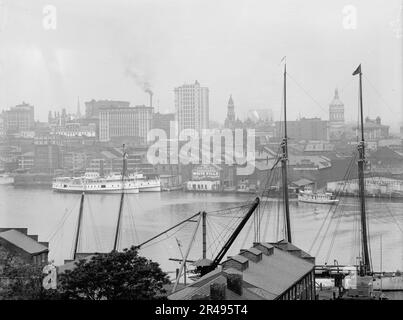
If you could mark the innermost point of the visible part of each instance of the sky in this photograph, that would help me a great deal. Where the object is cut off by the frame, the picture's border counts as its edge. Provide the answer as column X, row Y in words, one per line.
column 102, row 49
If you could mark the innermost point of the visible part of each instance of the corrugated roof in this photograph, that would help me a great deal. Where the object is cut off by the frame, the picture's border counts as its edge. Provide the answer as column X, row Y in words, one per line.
column 23, row 241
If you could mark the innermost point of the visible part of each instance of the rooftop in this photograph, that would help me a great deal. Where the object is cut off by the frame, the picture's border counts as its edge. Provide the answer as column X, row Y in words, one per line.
column 281, row 266
column 23, row 241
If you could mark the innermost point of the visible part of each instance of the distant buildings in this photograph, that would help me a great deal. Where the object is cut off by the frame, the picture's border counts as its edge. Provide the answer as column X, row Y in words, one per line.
column 192, row 107
column 374, row 129
column 46, row 158
column 144, row 120
column 124, row 121
column 163, row 121
column 260, row 115
column 93, row 107
column 19, row 118
column 336, row 118
column 2, row 129
column 75, row 129
column 303, row 129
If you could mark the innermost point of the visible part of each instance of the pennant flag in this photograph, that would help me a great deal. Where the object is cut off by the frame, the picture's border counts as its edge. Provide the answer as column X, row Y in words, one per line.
column 358, row 71
column 284, row 59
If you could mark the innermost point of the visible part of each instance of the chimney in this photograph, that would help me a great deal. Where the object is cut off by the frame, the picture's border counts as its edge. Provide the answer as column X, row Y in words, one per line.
column 33, row 236
column 217, row 291
column 252, row 254
column 46, row 244
column 234, row 282
column 237, row 262
column 266, row 248
column 151, row 98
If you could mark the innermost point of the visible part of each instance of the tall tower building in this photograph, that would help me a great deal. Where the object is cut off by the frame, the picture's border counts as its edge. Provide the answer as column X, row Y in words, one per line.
column 192, row 107
column 336, row 117
column 230, row 120
column 19, row 118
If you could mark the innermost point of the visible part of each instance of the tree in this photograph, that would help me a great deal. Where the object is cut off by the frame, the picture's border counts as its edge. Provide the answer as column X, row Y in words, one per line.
column 114, row 276
column 20, row 280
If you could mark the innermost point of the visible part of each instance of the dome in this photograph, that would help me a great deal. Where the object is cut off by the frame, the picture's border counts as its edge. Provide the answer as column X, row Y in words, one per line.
column 336, row 100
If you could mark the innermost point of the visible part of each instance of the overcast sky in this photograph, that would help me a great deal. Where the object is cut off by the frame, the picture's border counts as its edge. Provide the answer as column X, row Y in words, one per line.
column 231, row 46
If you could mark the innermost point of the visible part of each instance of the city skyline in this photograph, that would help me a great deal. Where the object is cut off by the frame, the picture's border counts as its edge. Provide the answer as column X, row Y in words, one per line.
column 50, row 68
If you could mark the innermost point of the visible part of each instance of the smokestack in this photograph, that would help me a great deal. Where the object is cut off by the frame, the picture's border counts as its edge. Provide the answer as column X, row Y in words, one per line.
column 151, row 97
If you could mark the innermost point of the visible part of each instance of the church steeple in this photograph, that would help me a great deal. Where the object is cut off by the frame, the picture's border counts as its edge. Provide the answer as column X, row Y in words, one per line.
column 230, row 120
column 231, row 109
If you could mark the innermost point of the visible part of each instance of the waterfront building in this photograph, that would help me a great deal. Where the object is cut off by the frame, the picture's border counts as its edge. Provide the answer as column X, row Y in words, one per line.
column 26, row 161
column 192, row 107
column 115, row 122
column 375, row 186
column 18, row 242
column 205, row 178
column 47, row 158
column 19, row 118
column 75, row 161
column 266, row 271
column 336, row 118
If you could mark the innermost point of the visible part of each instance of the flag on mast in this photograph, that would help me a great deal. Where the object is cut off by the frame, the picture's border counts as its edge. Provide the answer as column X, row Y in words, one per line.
column 284, row 59
column 357, row 71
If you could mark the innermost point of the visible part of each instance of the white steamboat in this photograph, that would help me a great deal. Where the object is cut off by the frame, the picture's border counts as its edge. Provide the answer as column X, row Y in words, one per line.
column 92, row 182
column 319, row 198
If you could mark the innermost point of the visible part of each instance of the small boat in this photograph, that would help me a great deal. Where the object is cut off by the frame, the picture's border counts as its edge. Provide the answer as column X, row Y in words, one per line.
column 319, row 198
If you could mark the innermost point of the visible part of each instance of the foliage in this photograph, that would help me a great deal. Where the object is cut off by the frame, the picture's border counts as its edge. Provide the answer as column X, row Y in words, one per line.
column 20, row 280
column 114, row 276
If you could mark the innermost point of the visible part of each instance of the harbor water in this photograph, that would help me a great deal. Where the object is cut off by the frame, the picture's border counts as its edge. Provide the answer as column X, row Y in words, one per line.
column 53, row 217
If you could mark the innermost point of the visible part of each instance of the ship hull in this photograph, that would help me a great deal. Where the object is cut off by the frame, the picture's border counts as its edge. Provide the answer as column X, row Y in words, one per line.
column 150, row 188
column 300, row 199
column 79, row 190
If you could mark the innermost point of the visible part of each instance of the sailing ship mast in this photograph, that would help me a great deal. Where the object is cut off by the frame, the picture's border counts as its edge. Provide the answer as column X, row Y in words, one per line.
column 124, row 168
column 365, row 264
column 284, row 159
column 80, row 218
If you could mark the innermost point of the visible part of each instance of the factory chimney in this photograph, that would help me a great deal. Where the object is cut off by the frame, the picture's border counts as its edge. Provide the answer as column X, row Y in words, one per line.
column 151, row 97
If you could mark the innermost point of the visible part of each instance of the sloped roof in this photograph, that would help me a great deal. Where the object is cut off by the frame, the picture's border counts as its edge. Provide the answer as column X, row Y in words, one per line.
column 266, row 279
column 22, row 241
